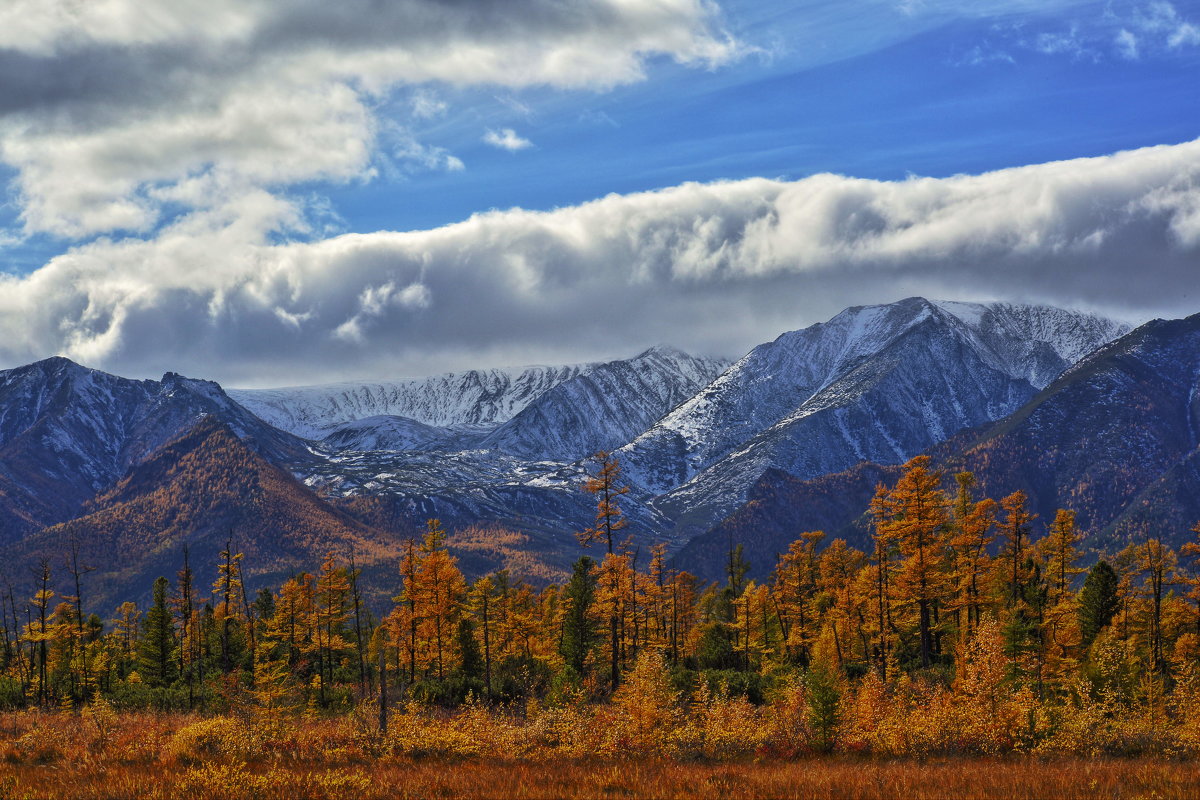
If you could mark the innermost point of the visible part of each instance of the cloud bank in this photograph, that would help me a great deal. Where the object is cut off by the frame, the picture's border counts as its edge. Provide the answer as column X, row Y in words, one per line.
column 711, row 267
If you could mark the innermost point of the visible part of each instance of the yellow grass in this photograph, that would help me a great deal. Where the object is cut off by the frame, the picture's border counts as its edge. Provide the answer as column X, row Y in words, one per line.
column 45, row 755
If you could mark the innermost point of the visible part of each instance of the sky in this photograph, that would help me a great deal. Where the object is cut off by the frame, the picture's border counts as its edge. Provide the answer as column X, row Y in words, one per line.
column 275, row 192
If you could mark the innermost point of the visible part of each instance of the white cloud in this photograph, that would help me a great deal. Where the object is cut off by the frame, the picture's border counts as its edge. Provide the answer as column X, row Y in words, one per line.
column 1127, row 44
column 1163, row 18
column 427, row 105
column 710, row 267
column 1129, row 29
column 107, row 107
column 1186, row 34
column 506, row 139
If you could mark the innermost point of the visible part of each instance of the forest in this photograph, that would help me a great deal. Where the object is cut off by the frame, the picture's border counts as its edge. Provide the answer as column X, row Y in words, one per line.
column 969, row 648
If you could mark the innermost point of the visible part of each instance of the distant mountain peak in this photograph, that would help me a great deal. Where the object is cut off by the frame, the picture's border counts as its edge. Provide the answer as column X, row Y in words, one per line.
column 875, row 382
column 662, row 351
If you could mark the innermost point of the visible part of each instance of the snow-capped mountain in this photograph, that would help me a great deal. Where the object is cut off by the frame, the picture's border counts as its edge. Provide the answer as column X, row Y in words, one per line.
column 605, row 406
column 483, row 397
column 875, row 383
column 878, row 383
column 774, row 380
column 1115, row 438
column 388, row 432
column 68, row 432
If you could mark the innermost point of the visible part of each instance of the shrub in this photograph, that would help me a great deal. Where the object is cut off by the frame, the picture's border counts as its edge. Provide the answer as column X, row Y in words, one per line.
column 216, row 737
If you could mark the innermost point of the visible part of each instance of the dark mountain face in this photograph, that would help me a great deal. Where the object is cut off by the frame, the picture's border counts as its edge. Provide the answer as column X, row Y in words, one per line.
column 779, row 508
column 1115, row 439
column 68, row 433
column 202, row 489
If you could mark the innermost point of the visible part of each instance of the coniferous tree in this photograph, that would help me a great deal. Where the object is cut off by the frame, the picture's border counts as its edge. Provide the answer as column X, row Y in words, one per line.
column 38, row 633
column 1158, row 564
column 972, row 534
column 579, row 631
column 796, row 578
column 1098, row 601
column 482, row 594
column 470, row 660
column 915, row 516
column 329, row 614
column 157, row 643
column 441, row 586
column 605, row 485
column 1191, row 551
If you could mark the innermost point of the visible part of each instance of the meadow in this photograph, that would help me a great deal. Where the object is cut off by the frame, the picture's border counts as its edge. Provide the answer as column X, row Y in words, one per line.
column 149, row 755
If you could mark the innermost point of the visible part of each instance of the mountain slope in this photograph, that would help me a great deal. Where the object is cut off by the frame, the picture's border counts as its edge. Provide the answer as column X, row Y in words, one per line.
column 1116, row 438
column 1027, row 344
column 68, row 432
column 201, row 489
column 878, row 383
column 387, row 432
column 605, row 406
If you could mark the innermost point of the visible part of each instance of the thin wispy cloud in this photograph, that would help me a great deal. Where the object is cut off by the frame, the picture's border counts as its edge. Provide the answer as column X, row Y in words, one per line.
column 1123, row 30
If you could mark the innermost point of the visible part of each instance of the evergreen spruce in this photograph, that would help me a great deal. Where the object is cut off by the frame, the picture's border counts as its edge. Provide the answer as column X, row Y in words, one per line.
column 157, row 644
column 579, row 631
column 1098, row 601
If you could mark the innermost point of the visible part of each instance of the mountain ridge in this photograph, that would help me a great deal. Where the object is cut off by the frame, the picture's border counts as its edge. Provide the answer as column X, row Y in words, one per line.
column 1115, row 438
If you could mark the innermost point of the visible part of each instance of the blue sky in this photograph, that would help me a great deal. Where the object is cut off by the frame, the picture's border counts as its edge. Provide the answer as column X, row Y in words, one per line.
column 910, row 94
column 104, row 181
column 874, row 90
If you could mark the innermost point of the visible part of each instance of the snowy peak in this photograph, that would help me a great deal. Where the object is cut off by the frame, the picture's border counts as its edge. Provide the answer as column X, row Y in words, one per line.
column 475, row 397
column 662, row 376
column 605, row 406
column 815, row 366
column 1033, row 342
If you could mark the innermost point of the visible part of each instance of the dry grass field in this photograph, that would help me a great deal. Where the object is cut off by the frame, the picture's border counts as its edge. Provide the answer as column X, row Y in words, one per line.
column 48, row 755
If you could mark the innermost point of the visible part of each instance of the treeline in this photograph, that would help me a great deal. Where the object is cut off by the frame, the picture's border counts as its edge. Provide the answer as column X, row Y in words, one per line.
column 959, row 597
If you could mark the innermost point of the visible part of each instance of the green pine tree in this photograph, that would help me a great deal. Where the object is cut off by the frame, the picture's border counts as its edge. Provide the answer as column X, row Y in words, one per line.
column 1098, row 601
column 157, row 644
column 579, row 630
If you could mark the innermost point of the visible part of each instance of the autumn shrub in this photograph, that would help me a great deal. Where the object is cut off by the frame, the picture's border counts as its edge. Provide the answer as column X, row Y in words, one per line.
column 719, row 726
column 46, row 739
column 566, row 728
column 421, row 732
column 823, row 712
column 215, row 781
column 102, row 719
column 217, row 737
column 646, row 707
column 1185, row 706
column 787, row 720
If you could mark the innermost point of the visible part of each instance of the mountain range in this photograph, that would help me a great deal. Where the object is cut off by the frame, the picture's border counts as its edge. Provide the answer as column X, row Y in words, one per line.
column 1115, row 438
column 1075, row 409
